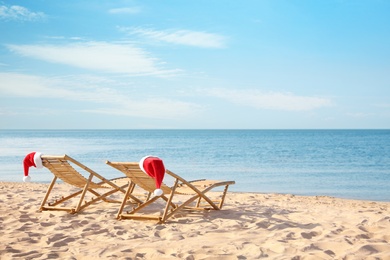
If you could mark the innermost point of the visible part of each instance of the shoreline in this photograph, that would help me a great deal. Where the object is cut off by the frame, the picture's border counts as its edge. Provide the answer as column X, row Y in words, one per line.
column 244, row 192
column 250, row 226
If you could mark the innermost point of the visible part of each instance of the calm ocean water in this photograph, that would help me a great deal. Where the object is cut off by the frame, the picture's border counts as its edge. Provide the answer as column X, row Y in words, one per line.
column 341, row 163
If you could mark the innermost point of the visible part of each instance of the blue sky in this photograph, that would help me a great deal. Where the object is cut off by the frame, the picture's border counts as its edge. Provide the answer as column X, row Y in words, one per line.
column 262, row 64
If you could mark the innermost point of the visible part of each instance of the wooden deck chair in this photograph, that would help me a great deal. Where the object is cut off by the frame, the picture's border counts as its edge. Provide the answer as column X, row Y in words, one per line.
column 194, row 192
column 63, row 168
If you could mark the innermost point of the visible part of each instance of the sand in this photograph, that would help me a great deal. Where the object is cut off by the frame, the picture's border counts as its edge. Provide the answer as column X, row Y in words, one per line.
column 250, row 226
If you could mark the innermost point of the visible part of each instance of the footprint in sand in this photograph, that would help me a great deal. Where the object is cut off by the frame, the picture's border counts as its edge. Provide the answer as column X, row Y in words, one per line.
column 309, row 235
column 330, row 253
column 363, row 236
column 28, row 255
column 55, row 238
column 25, row 227
column 25, row 218
column 290, row 236
column 263, row 224
column 120, row 231
column 46, row 224
column 10, row 249
column 59, row 240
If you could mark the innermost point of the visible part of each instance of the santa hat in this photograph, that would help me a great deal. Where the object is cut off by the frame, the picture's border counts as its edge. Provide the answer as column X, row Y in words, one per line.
column 154, row 167
column 31, row 159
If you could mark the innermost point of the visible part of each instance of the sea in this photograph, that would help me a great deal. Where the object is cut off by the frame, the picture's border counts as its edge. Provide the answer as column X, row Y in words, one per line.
column 352, row 164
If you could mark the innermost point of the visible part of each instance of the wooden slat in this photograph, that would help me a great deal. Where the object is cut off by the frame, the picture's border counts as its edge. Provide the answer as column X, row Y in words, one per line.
column 63, row 170
column 56, row 208
column 130, row 216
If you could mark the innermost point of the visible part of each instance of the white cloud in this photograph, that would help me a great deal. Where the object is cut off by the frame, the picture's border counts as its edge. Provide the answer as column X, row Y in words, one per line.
column 383, row 105
column 14, row 84
column 125, row 10
column 270, row 100
column 183, row 37
column 100, row 56
column 16, row 12
column 359, row 115
column 93, row 89
column 152, row 108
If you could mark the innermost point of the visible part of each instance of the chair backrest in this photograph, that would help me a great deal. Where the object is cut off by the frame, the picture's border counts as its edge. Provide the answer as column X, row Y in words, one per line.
column 61, row 168
column 137, row 176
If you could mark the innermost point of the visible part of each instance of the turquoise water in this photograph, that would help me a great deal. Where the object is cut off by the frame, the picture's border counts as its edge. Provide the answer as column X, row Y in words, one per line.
column 341, row 163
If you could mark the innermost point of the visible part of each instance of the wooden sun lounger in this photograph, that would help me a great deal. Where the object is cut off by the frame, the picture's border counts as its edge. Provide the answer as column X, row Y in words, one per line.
column 194, row 192
column 63, row 168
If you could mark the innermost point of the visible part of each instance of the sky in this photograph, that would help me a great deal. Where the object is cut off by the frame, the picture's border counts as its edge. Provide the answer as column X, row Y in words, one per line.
column 221, row 64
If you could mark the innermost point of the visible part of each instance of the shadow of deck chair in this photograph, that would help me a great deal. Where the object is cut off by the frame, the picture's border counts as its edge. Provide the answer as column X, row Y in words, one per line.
column 194, row 192
column 63, row 168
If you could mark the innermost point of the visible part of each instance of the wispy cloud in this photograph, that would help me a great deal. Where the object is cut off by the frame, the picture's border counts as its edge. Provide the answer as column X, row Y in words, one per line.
column 16, row 12
column 160, row 108
column 360, row 115
column 383, row 105
column 94, row 90
column 125, row 10
column 182, row 37
column 269, row 100
column 100, row 56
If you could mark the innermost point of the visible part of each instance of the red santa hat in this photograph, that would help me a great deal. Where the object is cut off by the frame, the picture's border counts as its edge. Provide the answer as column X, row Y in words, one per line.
column 31, row 159
column 154, row 167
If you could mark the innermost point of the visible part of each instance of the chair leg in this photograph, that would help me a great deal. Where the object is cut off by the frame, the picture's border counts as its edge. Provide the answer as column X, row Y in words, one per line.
column 198, row 203
column 223, row 196
column 128, row 190
column 48, row 192
column 164, row 216
column 84, row 192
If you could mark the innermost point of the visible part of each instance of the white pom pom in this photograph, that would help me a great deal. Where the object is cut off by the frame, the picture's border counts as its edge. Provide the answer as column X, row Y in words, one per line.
column 158, row 192
column 26, row 178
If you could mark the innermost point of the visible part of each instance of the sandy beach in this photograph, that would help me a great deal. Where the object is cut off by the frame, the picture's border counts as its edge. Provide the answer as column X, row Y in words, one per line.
column 250, row 226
